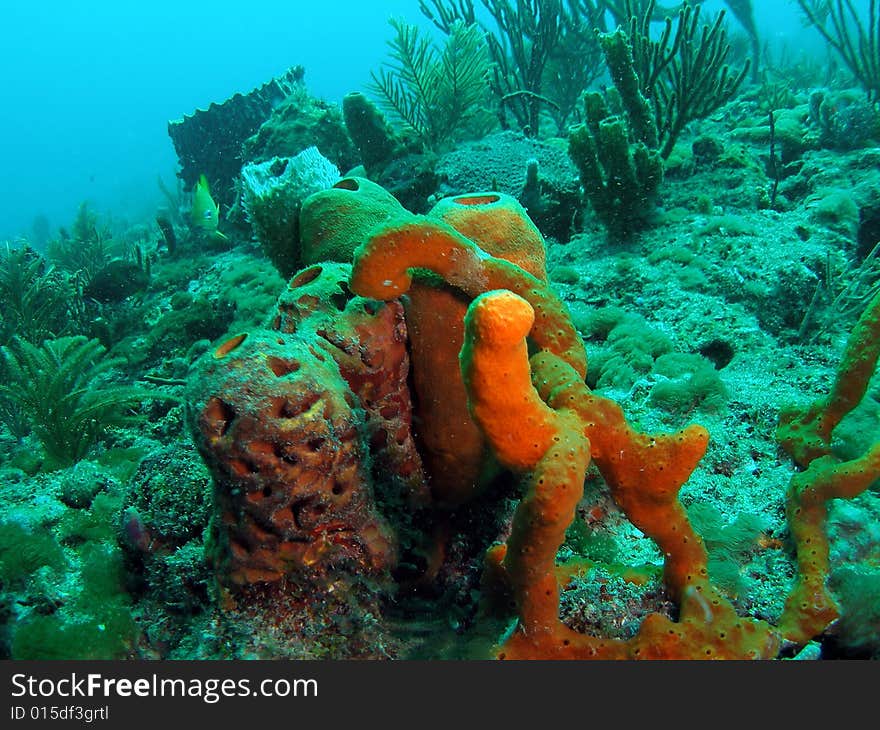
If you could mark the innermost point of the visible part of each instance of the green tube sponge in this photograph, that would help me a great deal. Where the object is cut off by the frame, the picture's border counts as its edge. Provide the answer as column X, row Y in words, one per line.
column 334, row 222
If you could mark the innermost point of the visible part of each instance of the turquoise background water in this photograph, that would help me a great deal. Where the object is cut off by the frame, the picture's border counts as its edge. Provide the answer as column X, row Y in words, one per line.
column 88, row 87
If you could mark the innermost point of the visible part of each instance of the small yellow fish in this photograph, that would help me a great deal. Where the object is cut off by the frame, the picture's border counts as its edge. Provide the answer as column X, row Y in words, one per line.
column 205, row 213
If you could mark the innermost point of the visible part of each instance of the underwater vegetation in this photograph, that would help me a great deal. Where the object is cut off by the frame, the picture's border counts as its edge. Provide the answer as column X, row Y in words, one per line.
column 435, row 91
column 35, row 296
column 56, row 388
column 558, row 340
column 851, row 35
column 662, row 85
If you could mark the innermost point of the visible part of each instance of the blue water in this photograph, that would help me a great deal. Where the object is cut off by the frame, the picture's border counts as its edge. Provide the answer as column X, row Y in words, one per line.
column 88, row 87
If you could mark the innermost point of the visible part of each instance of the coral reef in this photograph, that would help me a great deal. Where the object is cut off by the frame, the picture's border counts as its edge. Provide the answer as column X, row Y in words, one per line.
column 336, row 403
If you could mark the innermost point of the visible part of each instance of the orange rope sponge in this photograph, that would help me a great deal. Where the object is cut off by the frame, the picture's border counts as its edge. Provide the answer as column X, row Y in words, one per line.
column 551, row 429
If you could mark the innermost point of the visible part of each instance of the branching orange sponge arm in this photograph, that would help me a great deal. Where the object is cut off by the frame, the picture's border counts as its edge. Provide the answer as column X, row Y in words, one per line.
column 538, row 415
column 810, row 607
column 806, row 435
column 644, row 472
column 540, row 418
column 857, row 367
column 384, row 264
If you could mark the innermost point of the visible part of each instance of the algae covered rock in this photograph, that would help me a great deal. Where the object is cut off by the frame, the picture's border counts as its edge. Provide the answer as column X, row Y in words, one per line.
column 171, row 515
column 299, row 122
column 166, row 511
column 117, row 280
column 539, row 174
